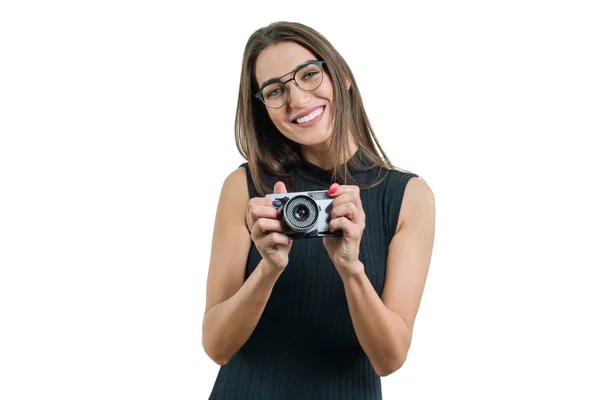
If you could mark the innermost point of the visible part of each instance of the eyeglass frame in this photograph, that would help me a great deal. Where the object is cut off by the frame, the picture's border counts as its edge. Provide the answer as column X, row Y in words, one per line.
column 259, row 95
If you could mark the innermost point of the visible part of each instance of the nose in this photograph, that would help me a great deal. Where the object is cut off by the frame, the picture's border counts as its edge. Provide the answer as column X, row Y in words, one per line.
column 297, row 98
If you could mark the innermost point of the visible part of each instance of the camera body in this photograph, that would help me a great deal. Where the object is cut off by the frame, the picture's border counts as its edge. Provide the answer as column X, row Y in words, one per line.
column 305, row 214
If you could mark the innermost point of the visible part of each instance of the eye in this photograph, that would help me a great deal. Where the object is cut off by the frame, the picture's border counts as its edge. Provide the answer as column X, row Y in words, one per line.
column 310, row 74
column 274, row 92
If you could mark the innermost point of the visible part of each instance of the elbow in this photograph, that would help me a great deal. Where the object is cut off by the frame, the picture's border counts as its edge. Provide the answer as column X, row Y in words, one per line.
column 394, row 357
column 220, row 361
column 212, row 351
column 390, row 366
column 217, row 359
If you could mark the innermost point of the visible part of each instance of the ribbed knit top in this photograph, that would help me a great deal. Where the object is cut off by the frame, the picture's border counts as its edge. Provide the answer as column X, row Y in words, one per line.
column 304, row 345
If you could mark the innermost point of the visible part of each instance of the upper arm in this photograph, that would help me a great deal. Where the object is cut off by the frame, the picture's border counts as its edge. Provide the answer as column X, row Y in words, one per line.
column 410, row 252
column 231, row 241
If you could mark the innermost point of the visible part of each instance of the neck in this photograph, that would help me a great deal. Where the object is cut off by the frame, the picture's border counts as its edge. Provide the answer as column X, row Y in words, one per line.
column 324, row 157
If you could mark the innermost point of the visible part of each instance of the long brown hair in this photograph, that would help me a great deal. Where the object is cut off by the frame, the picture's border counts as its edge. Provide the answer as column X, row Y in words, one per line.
column 260, row 142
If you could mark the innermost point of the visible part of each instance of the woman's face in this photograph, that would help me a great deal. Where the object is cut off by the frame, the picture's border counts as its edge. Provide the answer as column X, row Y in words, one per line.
column 306, row 117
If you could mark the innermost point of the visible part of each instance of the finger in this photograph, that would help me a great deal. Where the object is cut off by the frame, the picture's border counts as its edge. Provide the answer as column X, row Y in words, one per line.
column 337, row 190
column 350, row 229
column 275, row 238
column 260, row 211
column 258, row 235
column 260, row 201
column 349, row 197
column 341, row 189
column 272, row 240
column 268, row 225
column 280, row 188
column 348, row 210
column 333, row 189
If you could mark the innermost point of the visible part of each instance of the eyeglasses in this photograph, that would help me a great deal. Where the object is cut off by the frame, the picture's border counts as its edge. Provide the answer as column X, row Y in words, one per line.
column 307, row 77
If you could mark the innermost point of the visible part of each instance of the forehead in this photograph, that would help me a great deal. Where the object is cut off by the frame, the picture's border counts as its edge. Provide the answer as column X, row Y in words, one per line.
column 280, row 59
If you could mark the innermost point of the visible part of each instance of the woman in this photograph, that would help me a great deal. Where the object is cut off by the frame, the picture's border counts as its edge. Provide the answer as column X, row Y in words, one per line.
column 312, row 318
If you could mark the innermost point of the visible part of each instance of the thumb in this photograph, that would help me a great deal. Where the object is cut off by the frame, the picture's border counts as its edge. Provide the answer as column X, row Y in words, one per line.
column 280, row 188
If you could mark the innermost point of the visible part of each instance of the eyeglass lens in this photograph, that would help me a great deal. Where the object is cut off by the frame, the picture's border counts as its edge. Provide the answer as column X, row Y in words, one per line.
column 307, row 78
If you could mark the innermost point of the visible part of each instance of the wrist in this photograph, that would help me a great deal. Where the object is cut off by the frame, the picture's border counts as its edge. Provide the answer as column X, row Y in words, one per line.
column 351, row 271
column 268, row 271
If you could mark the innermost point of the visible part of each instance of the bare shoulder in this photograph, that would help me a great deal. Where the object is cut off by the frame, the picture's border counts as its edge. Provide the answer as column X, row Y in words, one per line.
column 236, row 180
column 234, row 191
column 418, row 202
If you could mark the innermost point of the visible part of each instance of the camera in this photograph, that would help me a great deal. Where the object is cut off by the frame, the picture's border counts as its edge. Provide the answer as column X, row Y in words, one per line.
column 305, row 214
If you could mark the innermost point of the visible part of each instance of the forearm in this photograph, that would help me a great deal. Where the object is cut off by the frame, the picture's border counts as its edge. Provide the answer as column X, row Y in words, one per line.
column 228, row 325
column 382, row 333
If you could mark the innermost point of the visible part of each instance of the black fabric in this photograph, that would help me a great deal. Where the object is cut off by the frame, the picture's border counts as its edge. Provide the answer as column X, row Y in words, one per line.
column 304, row 345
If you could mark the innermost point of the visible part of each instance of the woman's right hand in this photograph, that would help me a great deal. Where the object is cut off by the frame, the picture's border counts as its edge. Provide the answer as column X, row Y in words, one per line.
column 266, row 230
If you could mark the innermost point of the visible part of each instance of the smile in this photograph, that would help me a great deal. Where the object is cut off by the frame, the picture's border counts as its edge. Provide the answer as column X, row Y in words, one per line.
column 310, row 117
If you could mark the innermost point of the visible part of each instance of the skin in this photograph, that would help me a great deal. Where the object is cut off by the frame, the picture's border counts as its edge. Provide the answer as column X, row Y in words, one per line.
column 383, row 325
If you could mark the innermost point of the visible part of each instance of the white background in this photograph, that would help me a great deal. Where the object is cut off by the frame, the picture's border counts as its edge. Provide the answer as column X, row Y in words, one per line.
column 116, row 123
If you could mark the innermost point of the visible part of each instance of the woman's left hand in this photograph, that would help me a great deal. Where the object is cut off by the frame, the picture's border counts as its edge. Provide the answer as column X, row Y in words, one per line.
column 347, row 215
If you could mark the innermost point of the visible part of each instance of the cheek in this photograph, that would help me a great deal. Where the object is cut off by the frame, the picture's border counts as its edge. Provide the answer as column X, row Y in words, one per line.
column 326, row 89
column 277, row 118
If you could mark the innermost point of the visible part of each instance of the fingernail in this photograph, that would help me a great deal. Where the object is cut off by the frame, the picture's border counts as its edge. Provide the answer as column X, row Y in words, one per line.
column 277, row 203
column 328, row 219
column 329, row 207
column 331, row 191
column 278, row 215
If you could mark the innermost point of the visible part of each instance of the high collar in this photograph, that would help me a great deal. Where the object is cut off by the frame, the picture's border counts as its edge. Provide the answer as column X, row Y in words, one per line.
column 324, row 177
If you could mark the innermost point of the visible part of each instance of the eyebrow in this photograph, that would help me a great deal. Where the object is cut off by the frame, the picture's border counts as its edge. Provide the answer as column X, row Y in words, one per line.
column 273, row 80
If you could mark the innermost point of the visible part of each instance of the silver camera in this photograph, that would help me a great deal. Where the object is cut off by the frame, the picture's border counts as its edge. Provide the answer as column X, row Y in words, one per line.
column 305, row 214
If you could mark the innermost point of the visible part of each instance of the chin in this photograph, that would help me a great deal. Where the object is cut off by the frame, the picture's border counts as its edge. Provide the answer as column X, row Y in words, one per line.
column 310, row 140
column 310, row 137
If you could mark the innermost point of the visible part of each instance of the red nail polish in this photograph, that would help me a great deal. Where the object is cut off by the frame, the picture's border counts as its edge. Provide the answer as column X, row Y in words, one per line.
column 331, row 191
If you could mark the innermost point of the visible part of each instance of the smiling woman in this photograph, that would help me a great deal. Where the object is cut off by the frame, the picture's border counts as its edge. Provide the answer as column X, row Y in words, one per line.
column 312, row 317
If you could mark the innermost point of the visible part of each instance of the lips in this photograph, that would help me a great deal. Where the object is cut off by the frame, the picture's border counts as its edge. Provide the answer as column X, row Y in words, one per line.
column 305, row 112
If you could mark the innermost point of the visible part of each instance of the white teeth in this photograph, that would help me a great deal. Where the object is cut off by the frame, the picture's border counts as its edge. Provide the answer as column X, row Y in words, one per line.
column 310, row 116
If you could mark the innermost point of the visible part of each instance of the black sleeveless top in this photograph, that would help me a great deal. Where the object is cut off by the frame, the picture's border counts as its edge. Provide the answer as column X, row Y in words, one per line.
column 304, row 346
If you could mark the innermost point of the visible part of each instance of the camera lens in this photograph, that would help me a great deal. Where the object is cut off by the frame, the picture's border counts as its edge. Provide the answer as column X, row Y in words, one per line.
column 301, row 213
